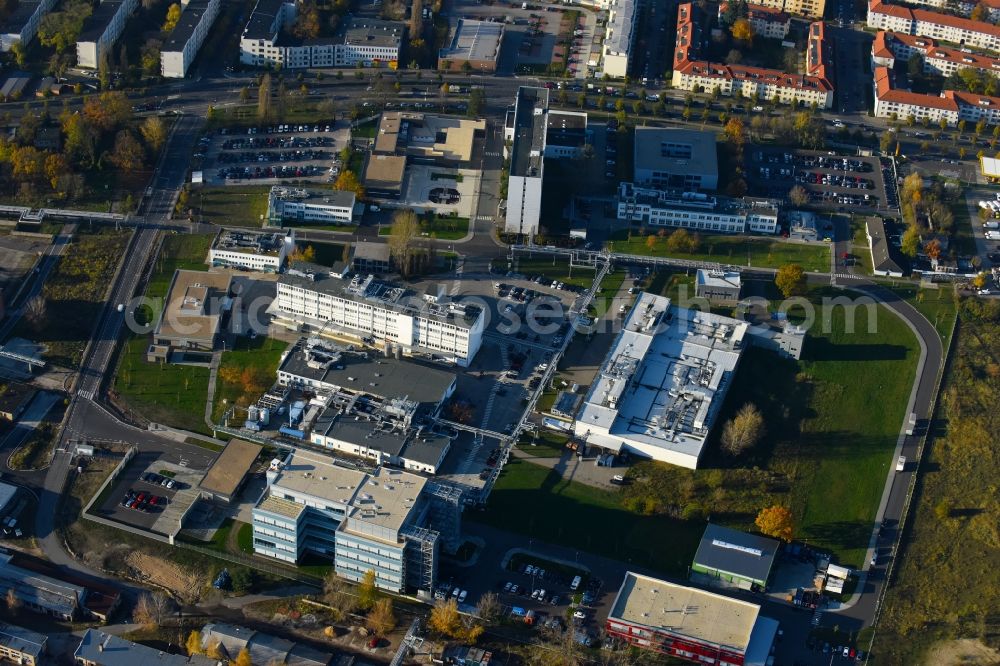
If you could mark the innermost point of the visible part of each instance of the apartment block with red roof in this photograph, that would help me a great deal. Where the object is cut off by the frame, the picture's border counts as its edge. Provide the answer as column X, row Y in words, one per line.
column 942, row 27
column 767, row 22
column 691, row 73
column 950, row 106
column 890, row 47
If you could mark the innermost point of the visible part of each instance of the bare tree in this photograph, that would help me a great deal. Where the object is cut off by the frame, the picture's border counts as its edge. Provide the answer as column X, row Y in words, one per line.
column 798, row 195
column 743, row 431
column 381, row 618
column 489, row 608
column 337, row 595
column 36, row 312
column 405, row 230
column 150, row 609
column 13, row 601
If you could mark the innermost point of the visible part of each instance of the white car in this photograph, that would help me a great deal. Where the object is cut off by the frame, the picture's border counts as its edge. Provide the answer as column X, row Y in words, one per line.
column 579, row 615
column 900, row 463
column 462, row 595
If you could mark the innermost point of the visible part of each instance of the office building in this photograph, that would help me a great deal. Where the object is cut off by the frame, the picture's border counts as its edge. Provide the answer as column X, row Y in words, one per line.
column 100, row 649
column 264, row 252
column 566, row 134
column 719, row 287
column 101, row 30
column 192, row 317
column 228, row 473
column 767, row 22
column 384, row 314
column 428, row 138
column 527, row 127
column 474, row 45
column 669, row 157
column 362, row 521
column 21, row 646
column 696, row 211
column 891, row 47
column 370, row 257
column 924, row 23
column 182, row 46
column 691, row 73
column 731, row 558
column 690, row 624
column 619, row 38
column 297, row 205
column 384, row 174
column 21, row 25
column 359, row 42
column 662, row 385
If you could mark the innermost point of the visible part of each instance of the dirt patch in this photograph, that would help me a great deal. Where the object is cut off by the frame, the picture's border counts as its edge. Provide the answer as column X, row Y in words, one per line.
column 165, row 574
column 964, row 652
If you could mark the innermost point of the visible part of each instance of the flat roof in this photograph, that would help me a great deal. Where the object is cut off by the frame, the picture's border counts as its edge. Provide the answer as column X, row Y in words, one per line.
column 427, row 135
column 385, row 172
column 676, row 151
column 718, row 279
column 192, row 15
column 315, row 474
column 19, row 639
column 386, row 498
column 530, row 123
column 372, row 251
column 194, row 305
column 371, row 32
column 748, row 556
column 19, row 17
column 95, row 24
column 474, row 40
column 427, row 448
column 109, row 650
column 990, row 166
column 247, row 241
column 228, row 470
column 367, row 434
column 7, row 493
column 281, row 507
column 310, row 197
column 367, row 372
column 620, row 28
column 685, row 611
column 259, row 26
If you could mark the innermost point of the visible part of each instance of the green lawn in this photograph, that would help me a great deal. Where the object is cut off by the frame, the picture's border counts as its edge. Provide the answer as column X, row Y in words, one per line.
column 553, row 268
column 257, row 357
column 937, row 305
column 545, row 444
column 442, row 227
column 178, row 252
column 736, row 250
column 537, row 502
column 238, row 206
column 365, row 130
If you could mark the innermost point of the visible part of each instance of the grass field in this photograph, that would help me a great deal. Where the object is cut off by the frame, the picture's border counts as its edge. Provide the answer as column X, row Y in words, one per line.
column 736, row 250
column 238, row 206
column 553, row 268
column 939, row 306
column 545, row 444
column 253, row 364
column 442, row 227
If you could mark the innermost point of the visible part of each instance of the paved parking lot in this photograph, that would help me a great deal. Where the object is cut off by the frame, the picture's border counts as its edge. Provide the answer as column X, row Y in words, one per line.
column 270, row 153
column 852, row 183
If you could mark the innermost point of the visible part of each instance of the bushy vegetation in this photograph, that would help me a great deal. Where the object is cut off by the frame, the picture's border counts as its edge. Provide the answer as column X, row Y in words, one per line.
column 948, row 577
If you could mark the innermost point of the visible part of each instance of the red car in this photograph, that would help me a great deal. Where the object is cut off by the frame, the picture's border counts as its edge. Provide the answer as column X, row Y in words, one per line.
column 373, row 642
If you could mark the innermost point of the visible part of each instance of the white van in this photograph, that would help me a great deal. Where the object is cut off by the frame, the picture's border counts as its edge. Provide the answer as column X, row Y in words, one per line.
column 576, row 583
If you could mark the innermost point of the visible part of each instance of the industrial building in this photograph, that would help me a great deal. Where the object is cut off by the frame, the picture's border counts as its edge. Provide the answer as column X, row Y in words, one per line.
column 666, row 157
column 251, row 250
column 696, row 211
column 719, row 287
column 662, row 385
column 731, row 558
column 384, row 314
column 192, row 317
column 22, row 24
column 376, row 521
column 474, row 42
column 359, row 42
column 297, row 205
column 690, row 624
column 97, row 648
column 184, row 41
column 101, row 30
column 619, row 38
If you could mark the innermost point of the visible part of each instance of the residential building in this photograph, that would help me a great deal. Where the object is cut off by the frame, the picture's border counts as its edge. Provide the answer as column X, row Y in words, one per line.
column 297, row 205
column 767, row 22
column 690, row 624
column 428, row 138
column 619, row 38
column 474, row 45
column 527, row 126
column 731, row 558
column 184, row 41
column 363, row 521
column 228, row 472
column 192, row 317
column 264, row 252
column 21, row 646
column 944, row 27
column 264, row 648
column 690, row 73
column 812, row 9
column 100, row 649
column 40, row 593
column 951, row 106
column 666, row 157
column 662, row 384
column 890, row 47
column 696, row 211
column 101, row 30
column 719, row 287
column 359, row 42
column 882, row 263
column 21, row 25
column 383, row 313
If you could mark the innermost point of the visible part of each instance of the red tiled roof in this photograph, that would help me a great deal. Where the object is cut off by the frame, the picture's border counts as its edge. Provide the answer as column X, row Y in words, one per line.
column 880, row 47
column 763, row 13
column 931, row 50
column 925, row 16
column 885, row 92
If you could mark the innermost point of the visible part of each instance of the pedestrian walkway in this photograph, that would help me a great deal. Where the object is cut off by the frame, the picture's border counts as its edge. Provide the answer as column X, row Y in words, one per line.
column 213, row 373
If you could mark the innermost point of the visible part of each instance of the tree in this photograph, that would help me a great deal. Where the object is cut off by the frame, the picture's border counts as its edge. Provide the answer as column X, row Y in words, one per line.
column 416, row 18
column 735, row 132
column 36, row 312
column 173, row 16
column 791, row 280
column 775, row 521
column 367, row 592
column 150, row 609
column 489, row 609
column 980, row 13
column 149, row 57
column 445, row 619
column 381, row 618
column 909, row 244
column 56, row 165
column 933, row 249
column 743, row 431
column 742, row 31
column 405, row 229
column 682, row 240
column 980, row 280
column 798, row 195
column 128, row 154
column 154, row 133
column 243, row 658
column 193, row 643
column 60, row 30
column 307, row 21
column 348, row 182
column 308, row 253
column 734, row 57
column 477, row 102
column 107, row 111
column 650, row 242
column 264, row 98
column 13, row 601
column 337, row 595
